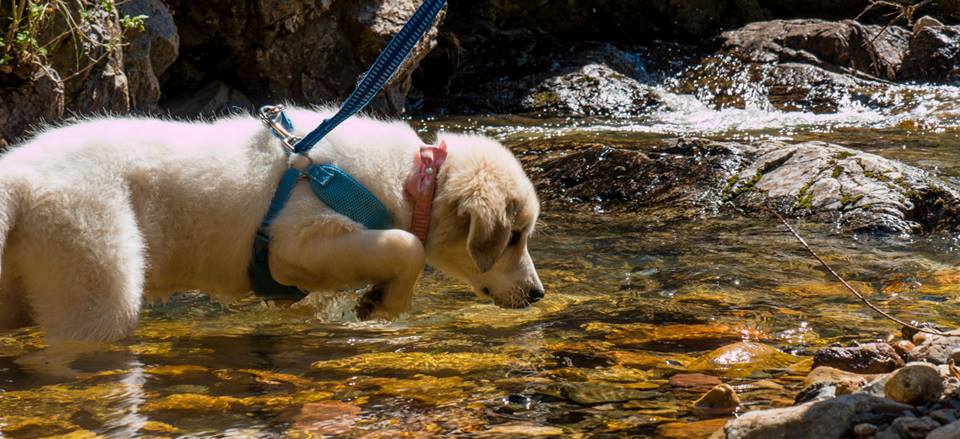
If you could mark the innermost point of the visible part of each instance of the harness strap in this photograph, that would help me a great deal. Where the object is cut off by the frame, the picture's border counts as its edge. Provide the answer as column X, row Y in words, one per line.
column 336, row 188
column 386, row 65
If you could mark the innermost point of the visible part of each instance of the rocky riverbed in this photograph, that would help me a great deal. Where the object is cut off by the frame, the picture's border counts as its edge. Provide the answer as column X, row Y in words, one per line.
column 661, row 141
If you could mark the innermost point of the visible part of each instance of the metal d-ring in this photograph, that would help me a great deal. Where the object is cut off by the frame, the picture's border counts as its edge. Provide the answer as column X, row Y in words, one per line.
column 270, row 116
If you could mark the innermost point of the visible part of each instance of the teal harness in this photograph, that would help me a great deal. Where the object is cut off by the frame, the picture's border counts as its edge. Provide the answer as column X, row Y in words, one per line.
column 332, row 185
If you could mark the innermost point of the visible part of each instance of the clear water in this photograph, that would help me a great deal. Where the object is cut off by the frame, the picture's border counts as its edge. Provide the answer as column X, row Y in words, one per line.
column 632, row 301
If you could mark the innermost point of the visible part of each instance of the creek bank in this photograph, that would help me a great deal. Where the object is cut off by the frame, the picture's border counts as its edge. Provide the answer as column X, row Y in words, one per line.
column 687, row 177
column 917, row 400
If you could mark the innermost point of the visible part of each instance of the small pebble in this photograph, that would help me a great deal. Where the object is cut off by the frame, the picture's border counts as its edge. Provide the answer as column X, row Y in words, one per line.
column 865, row 430
column 721, row 400
column 943, row 416
column 902, row 347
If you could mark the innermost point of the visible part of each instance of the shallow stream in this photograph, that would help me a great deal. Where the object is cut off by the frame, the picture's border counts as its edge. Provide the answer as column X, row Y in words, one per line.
column 620, row 345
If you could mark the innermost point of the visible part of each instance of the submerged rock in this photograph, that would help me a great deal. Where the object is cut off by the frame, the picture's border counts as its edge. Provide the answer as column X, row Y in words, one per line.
column 870, row 358
column 831, row 418
column 859, row 191
column 593, row 393
column 742, row 359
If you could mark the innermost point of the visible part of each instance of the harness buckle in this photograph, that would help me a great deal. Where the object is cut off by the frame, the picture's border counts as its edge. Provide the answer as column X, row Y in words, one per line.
column 273, row 118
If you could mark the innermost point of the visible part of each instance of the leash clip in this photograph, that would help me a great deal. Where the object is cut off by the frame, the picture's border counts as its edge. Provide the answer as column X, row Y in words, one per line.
column 272, row 116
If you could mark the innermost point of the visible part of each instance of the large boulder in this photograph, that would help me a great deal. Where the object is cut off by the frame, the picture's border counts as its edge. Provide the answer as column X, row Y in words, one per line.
column 933, row 56
column 797, row 65
column 819, row 181
column 149, row 52
column 303, row 51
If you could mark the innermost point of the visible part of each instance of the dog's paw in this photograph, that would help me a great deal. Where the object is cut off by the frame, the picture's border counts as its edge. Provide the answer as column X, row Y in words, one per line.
column 369, row 306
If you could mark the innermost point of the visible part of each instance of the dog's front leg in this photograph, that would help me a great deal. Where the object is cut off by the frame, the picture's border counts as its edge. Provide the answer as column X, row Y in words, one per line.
column 391, row 259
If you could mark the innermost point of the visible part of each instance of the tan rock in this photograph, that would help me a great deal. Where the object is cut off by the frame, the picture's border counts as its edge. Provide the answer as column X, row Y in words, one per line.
column 846, row 382
column 722, row 400
column 915, row 383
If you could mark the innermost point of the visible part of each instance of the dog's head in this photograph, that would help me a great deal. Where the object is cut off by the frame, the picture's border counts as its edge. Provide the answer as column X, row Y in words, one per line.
column 484, row 211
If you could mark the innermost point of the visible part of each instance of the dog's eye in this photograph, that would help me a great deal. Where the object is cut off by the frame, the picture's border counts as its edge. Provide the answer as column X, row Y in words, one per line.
column 514, row 238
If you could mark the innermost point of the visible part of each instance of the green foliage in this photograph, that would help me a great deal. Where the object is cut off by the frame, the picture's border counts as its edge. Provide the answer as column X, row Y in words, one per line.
column 26, row 36
column 136, row 22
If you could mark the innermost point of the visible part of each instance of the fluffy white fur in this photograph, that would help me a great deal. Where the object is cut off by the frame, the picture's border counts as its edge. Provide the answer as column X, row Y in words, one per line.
column 95, row 215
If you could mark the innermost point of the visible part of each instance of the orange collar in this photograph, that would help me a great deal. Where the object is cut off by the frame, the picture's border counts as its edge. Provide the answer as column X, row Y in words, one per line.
column 422, row 185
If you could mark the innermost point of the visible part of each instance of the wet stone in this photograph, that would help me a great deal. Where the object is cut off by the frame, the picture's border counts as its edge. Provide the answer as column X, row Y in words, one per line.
column 722, row 400
column 915, row 383
column 742, row 359
column 902, row 347
column 866, row 358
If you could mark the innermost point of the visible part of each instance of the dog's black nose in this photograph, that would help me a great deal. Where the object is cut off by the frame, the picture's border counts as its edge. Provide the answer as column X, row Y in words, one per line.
column 534, row 295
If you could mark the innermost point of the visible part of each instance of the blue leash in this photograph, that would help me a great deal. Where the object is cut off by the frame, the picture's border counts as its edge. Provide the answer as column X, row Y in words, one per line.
column 386, row 65
column 337, row 189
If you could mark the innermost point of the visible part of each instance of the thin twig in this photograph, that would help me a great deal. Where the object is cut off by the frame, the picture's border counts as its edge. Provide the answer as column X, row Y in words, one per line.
column 851, row 288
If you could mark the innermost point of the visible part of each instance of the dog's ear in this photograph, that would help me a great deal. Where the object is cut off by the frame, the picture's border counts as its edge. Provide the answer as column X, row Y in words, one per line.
column 489, row 230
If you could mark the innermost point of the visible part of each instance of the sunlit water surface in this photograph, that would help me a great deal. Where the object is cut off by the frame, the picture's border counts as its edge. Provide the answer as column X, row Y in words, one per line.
column 634, row 303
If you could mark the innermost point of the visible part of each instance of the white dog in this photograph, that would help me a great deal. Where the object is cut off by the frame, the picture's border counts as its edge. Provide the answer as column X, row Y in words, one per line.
column 96, row 214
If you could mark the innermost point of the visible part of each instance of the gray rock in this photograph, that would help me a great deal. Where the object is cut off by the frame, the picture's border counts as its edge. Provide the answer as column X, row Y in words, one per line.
column 837, row 46
column 150, row 52
column 933, row 56
column 949, row 431
column 944, row 416
column 591, row 90
column 909, row 427
column 93, row 88
column 797, row 65
column 814, row 420
column 866, row 358
column 935, row 349
column 819, row 181
column 215, row 98
column 38, row 100
column 915, row 383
